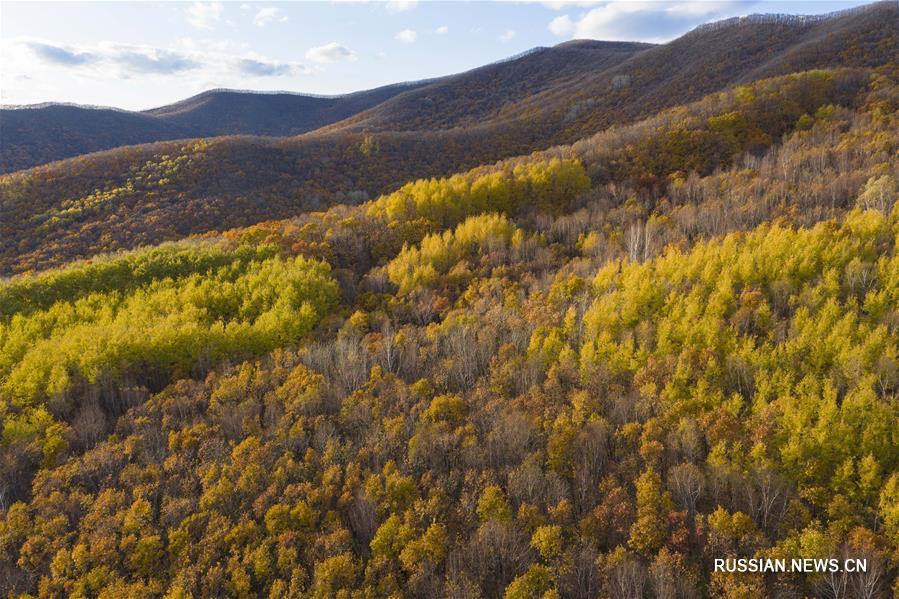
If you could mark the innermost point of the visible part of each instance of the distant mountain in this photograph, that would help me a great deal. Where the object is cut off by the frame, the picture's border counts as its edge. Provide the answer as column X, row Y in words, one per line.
column 543, row 96
column 629, row 84
column 46, row 132
column 38, row 134
column 144, row 194
column 230, row 112
column 488, row 93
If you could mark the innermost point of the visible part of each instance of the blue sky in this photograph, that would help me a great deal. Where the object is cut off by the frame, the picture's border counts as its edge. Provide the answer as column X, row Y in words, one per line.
column 141, row 55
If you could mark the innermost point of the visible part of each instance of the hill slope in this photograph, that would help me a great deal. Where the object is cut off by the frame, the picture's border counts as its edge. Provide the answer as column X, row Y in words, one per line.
column 546, row 96
column 33, row 136
column 709, row 58
column 486, row 94
column 586, row 390
column 229, row 112
column 44, row 133
column 147, row 194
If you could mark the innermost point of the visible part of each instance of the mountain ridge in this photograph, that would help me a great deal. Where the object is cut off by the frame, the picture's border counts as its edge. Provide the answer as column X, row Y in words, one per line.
column 104, row 201
column 31, row 132
column 574, row 87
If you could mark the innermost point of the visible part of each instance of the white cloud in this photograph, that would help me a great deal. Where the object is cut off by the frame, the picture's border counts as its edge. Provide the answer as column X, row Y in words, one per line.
column 203, row 15
column 562, row 25
column 507, row 35
column 407, row 36
column 647, row 20
column 258, row 67
column 442, row 30
column 127, row 61
column 123, row 59
column 190, row 44
column 395, row 6
column 563, row 4
column 267, row 15
column 332, row 52
column 702, row 8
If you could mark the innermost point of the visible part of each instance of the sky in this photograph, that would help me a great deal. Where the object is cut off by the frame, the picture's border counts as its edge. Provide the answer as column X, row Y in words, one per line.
column 140, row 55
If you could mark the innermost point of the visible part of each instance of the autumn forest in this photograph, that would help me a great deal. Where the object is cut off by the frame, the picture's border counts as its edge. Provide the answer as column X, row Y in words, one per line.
column 607, row 327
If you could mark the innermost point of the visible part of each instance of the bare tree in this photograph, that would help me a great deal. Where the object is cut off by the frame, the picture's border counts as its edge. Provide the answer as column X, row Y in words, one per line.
column 593, row 450
column 363, row 519
column 686, row 482
column 627, row 579
column 508, row 438
column 634, row 241
column 662, row 577
column 90, row 422
column 581, row 579
column 526, row 483
column 869, row 583
column 498, row 553
column 767, row 497
column 833, row 585
column 389, row 349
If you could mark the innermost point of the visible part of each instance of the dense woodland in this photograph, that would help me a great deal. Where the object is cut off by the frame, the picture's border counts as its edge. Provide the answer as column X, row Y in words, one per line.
column 368, row 370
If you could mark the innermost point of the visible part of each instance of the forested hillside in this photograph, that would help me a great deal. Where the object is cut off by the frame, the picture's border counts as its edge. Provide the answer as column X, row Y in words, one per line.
column 149, row 194
column 34, row 135
column 152, row 193
column 229, row 112
column 41, row 134
column 547, row 96
column 587, row 372
column 705, row 60
column 490, row 93
column 529, row 431
column 369, row 364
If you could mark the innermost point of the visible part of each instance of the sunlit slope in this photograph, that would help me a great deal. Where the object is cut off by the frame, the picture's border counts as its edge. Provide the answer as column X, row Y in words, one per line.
column 672, row 393
column 148, row 194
